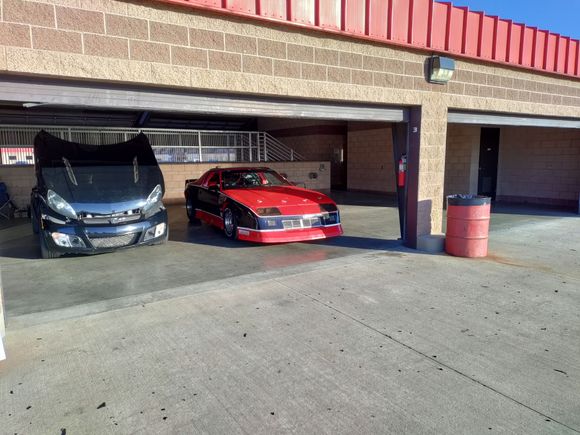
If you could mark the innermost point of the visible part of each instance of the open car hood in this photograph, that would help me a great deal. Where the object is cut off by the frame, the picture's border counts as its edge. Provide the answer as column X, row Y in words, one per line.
column 100, row 179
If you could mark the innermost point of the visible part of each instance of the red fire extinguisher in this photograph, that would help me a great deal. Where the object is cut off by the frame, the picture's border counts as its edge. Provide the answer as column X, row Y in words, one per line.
column 402, row 171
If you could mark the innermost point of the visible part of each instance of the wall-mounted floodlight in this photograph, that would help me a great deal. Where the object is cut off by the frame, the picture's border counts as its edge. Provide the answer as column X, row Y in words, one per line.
column 441, row 69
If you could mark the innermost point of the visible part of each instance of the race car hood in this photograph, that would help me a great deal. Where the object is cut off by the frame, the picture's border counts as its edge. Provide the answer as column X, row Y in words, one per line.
column 97, row 179
column 290, row 200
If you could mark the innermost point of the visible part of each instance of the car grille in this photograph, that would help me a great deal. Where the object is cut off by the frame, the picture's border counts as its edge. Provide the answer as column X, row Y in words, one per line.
column 115, row 241
column 111, row 219
column 310, row 222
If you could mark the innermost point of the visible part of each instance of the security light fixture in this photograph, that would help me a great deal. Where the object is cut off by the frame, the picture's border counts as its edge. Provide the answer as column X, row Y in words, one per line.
column 441, row 69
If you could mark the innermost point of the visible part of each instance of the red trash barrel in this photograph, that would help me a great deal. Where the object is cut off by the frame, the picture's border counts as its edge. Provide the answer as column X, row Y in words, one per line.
column 467, row 225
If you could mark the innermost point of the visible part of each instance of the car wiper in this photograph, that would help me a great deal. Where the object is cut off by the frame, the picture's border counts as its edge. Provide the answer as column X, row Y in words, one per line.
column 135, row 169
column 69, row 171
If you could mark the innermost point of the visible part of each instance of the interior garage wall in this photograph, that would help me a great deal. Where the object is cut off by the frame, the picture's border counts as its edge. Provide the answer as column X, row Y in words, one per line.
column 539, row 165
column 313, row 139
column 370, row 157
column 462, row 159
column 21, row 179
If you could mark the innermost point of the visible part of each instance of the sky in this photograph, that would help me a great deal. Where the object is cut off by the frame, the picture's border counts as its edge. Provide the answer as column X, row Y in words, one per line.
column 558, row 16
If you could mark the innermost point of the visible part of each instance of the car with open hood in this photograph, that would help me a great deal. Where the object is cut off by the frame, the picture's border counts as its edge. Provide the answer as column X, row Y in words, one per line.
column 90, row 199
column 260, row 205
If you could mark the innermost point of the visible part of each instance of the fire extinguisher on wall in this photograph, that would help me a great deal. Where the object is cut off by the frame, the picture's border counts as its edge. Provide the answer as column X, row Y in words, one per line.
column 402, row 172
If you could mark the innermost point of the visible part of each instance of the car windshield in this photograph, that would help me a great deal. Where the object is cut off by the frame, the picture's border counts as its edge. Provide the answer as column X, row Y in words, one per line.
column 242, row 179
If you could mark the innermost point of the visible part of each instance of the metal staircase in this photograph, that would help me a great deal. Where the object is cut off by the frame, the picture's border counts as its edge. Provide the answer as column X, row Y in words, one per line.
column 170, row 146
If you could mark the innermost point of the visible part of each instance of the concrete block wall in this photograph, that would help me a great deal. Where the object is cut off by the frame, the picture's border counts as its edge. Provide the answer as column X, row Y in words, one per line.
column 539, row 165
column 370, row 157
column 369, row 148
column 21, row 179
column 314, row 139
column 461, row 159
column 433, row 134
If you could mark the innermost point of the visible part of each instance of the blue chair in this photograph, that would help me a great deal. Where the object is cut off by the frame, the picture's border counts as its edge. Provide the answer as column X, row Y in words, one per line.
column 7, row 207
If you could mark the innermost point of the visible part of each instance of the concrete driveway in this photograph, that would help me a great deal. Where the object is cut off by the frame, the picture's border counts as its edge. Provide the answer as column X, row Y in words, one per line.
column 382, row 340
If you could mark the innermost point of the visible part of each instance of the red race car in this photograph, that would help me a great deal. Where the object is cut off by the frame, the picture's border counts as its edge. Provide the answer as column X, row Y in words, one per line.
column 259, row 205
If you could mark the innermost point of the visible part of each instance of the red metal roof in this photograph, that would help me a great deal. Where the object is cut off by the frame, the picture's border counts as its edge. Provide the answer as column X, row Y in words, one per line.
column 423, row 24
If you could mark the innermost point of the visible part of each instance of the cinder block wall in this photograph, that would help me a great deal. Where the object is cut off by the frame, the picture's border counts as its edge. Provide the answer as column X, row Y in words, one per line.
column 21, row 179
column 461, row 159
column 313, row 139
column 368, row 145
column 539, row 165
column 370, row 157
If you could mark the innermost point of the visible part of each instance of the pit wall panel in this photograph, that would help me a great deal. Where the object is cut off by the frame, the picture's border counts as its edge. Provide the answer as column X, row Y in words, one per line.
column 539, row 165
column 461, row 159
column 21, row 179
column 370, row 158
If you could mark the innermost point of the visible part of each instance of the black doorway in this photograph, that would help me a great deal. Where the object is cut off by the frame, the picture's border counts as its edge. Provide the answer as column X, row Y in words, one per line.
column 488, row 157
column 338, row 174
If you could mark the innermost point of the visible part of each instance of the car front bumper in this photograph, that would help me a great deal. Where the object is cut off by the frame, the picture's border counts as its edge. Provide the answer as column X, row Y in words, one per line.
column 289, row 235
column 104, row 238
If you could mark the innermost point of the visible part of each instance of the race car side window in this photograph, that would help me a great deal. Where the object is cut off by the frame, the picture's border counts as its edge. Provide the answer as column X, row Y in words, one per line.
column 214, row 180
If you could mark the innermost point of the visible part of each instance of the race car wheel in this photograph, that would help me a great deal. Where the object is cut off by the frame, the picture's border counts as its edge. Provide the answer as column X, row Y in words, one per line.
column 230, row 224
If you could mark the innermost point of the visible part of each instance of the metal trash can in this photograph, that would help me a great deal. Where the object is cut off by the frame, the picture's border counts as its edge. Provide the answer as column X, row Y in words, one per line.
column 467, row 225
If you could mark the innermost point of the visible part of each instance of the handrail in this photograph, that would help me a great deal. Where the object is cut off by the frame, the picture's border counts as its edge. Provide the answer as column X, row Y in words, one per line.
column 169, row 145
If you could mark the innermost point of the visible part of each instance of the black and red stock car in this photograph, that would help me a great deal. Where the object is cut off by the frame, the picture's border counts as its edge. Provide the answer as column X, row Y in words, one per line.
column 259, row 205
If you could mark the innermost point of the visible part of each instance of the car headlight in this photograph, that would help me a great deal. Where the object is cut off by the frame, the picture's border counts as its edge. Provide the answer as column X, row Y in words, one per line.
column 331, row 218
column 59, row 205
column 268, row 211
column 153, row 198
column 270, row 223
column 329, row 208
column 68, row 241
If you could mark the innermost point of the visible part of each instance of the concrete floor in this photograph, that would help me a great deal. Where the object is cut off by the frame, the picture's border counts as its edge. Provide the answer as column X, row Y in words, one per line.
column 367, row 338
column 195, row 254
